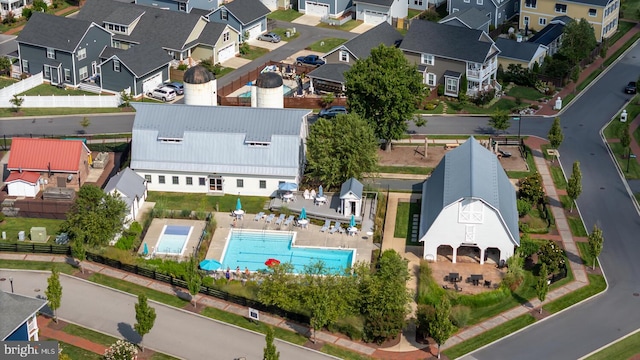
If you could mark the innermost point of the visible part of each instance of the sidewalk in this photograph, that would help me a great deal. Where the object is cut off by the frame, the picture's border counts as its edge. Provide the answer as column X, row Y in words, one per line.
column 48, row 332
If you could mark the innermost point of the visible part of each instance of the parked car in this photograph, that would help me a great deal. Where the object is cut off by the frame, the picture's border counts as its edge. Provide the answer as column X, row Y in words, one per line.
column 163, row 93
column 178, row 87
column 630, row 88
column 270, row 36
column 310, row 60
column 332, row 112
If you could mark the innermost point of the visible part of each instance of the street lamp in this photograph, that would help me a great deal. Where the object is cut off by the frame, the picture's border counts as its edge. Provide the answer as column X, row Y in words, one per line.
column 11, row 282
column 629, row 159
column 517, row 118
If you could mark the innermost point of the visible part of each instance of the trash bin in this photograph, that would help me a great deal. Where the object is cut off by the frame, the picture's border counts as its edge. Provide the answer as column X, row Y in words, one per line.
column 20, row 235
column 287, row 34
column 558, row 103
column 623, row 116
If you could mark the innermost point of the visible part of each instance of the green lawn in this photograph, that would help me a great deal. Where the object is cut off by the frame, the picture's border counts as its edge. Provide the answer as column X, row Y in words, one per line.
column 636, row 135
column 614, row 129
column 342, row 353
column 404, row 220
column 46, row 90
column 255, row 52
column 6, row 81
column 413, row 13
column 224, row 71
column 93, row 336
column 134, row 289
column 8, row 112
column 624, row 162
column 630, row 9
column 414, row 170
column 283, row 34
column 36, row 265
column 623, row 27
column 436, row 110
column 585, row 255
column 489, row 336
column 14, row 224
column 325, row 45
column 284, row 15
column 558, row 177
column 623, row 349
column 576, row 225
column 348, row 26
column 596, row 285
column 202, row 202
column 525, row 92
column 453, row 107
column 79, row 353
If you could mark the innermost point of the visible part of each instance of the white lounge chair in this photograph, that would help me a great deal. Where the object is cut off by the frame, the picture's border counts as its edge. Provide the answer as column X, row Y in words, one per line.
column 289, row 220
column 258, row 216
column 325, row 227
column 280, row 219
column 270, row 218
column 313, row 193
column 335, row 227
column 306, row 194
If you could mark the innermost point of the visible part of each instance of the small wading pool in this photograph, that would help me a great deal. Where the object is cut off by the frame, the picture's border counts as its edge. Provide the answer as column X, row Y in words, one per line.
column 251, row 249
column 173, row 239
column 286, row 90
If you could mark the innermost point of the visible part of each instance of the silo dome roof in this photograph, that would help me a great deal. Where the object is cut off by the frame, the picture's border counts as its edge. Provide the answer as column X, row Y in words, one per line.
column 198, row 75
column 269, row 80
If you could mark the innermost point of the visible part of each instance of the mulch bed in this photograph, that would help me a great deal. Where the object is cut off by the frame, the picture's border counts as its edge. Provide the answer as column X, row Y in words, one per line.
column 198, row 309
column 536, row 314
column 57, row 326
column 315, row 346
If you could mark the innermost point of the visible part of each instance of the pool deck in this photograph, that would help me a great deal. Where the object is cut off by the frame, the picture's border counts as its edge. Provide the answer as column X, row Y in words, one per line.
column 152, row 236
column 311, row 236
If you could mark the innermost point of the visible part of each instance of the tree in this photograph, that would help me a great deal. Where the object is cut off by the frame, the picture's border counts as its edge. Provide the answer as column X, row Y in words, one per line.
column 54, row 292
column 595, row 244
column 280, row 287
column 95, row 216
column 78, row 251
column 625, row 138
column 17, row 102
column 145, row 317
column 270, row 352
column 578, row 40
column 40, row 6
column 574, row 184
column 542, row 287
column 575, row 76
column 341, row 148
column 500, row 120
column 85, row 122
column 555, row 134
column 386, row 90
column 531, row 188
column 194, row 280
column 125, row 98
column 441, row 327
column 552, row 255
column 5, row 62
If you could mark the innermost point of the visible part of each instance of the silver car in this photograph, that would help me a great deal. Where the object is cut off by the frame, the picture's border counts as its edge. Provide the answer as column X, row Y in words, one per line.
column 163, row 93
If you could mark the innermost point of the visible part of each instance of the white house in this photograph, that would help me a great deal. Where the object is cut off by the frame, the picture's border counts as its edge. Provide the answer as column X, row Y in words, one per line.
column 218, row 150
column 131, row 188
column 351, row 197
column 469, row 202
column 378, row 11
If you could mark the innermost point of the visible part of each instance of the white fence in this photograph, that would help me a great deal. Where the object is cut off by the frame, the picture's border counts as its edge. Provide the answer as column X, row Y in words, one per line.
column 19, row 87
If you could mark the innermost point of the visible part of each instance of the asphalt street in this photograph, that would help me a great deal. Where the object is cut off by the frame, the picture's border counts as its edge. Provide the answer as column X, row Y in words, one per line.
column 176, row 332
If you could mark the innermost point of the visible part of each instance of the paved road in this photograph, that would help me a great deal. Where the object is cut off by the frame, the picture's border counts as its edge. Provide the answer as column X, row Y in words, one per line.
column 67, row 125
column 604, row 201
column 8, row 44
column 175, row 332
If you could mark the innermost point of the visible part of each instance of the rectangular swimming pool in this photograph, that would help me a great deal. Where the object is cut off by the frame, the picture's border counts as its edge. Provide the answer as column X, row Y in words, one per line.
column 173, row 240
column 251, row 249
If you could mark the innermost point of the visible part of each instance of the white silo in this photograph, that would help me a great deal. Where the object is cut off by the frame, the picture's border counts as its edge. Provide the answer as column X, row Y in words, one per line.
column 268, row 91
column 200, row 87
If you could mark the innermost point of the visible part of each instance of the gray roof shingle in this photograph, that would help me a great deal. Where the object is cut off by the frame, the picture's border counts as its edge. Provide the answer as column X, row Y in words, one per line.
column 124, row 15
column 517, row 50
column 352, row 185
column 247, row 10
column 470, row 171
column 15, row 310
column 473, row 17
column 127, row 183
column 548, row 34
column 68, row 32
column 442, row 40
column 385, row 3
column 361, row 45
column 330, row 72
column 215, row 139
column 140, row 59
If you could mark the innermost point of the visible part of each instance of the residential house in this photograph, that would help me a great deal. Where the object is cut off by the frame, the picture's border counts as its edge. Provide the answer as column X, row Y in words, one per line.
column 498, row 11
column 351, row 199
column 35, row 164
column 330, row 76
column 18, row 320
column 67, row 55
column 131, row 188
column 551, row 35
column 602, row 14
column 218, row 150
column 423, row 5
column 469, row 202
column 377, row 11
column 15, row 7
column 274, row 5
column 247, row 17
column 182, row 5
column 520, row 53
column 186, row 37
column 471, row 18
column 326, row 9
column 446, row 53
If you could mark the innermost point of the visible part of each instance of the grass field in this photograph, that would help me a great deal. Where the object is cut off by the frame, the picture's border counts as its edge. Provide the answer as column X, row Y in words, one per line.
column 48, row 90
column 413, row 13
column 596, row 285
column 6, row 81
column 629, row 167
column 558, row 177
column 348, row 26
column 202, row 202
column 623, row 349
column 525, row 92
column 469, row 108
column 284, row 15
column 586, row 257
column 255, row 52
column 325, row 45
column 36, row 265
column 14, row 224
column 79, row 353
column 93, row 336
column 8, row 112
column 404, row 220
column 283, row 34
column 134, row 289
column 414, row 170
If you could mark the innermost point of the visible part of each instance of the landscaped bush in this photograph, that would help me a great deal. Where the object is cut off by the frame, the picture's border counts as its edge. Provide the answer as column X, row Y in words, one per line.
column 527, row 246
column 169, row 267
column 482, row 299
column 350, row 326
column 183, row 67
column 484, row 97
column 424, row 315
column 460, row 315
column 524, row 207
column 126, row 242
column 440, row 90
column 552, row 255
column 429, row 292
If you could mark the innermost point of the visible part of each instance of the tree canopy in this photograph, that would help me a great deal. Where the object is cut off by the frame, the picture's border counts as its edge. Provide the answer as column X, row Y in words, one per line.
column 595, row 243
column 578, row 40
column 542, row 287
column 145, row 317
column 385, row 89
column 95, row 217
column 341, row 148
column 574, row 184
column 441, row 327
column 499, row 120
column 270, row 351
column 54, row 291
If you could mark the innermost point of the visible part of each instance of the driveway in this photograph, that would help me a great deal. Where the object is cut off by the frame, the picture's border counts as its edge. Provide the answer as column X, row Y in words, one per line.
column 309, row 20
column 362, row 28
column 266, row 44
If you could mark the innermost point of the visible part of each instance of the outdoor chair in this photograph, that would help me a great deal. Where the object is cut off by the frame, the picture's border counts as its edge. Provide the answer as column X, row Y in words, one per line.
column 487, row 283
column 270, row 218
column 289, row 220
column 258, row 216
column 458, row 288
column 280, row 219
column 325, row 227
column 335, row 227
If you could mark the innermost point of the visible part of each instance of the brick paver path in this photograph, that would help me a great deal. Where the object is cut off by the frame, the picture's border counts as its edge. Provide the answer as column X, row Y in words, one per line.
column 46, row 331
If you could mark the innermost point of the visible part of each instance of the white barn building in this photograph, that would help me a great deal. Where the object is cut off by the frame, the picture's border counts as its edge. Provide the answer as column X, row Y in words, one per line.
column 469, row 202
column 218, row 150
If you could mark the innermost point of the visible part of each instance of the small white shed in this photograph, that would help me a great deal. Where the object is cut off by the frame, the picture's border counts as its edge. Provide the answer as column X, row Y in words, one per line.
column 351, row 198
column 25, row 183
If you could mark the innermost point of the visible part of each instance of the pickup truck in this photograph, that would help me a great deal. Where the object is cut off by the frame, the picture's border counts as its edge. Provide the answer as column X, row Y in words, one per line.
column 310, row 60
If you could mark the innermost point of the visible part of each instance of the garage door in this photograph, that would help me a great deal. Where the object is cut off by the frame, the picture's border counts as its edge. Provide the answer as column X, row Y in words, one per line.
column 255, row 31
column 315, row 9
column 271, row 4
column 226, row 53
column 152, row 83
column 374, row 18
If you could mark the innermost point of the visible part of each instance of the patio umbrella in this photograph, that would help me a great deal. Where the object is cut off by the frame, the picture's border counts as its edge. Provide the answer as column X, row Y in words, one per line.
column 303, row 213
column 353, row 221
column 210, row 264
column 288, row 186
column 320, row 192
column 272, row 262
column 145, row 249
column 238, row 205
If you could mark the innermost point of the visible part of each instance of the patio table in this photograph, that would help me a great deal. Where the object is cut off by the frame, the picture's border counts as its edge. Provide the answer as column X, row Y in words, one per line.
column 352, row 230
column 475, row 279
column 287, row 197
column 453, row 277
column 321, row 200
column 303, row 223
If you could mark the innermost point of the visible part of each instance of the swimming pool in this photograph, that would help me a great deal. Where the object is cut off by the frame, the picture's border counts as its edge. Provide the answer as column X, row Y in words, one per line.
column 286, row 90
column 246, row 248
column 173, row 239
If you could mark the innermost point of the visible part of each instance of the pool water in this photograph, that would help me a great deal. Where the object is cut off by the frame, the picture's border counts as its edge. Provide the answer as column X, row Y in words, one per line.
column 286, row 90
column 252, row 249
column 173, row 239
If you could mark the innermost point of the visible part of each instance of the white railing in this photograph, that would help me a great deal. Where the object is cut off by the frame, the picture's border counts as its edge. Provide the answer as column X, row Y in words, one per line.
column 20, row 87
column 81, row 101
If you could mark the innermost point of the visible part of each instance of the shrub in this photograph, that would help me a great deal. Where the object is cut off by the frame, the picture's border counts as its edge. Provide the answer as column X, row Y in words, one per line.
column 440, row 90
column 484, row 97
column 527, row 246
column 126, row 242
column 424, row 315
column 429, row 15
column 121, row 350
column 185, row 213
column 183, row 67
column 460, row 315
column 1, row 217
column 27, row 12
column 135, row 228
column 350, row 326
column 201, row 215
column 524, row 207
